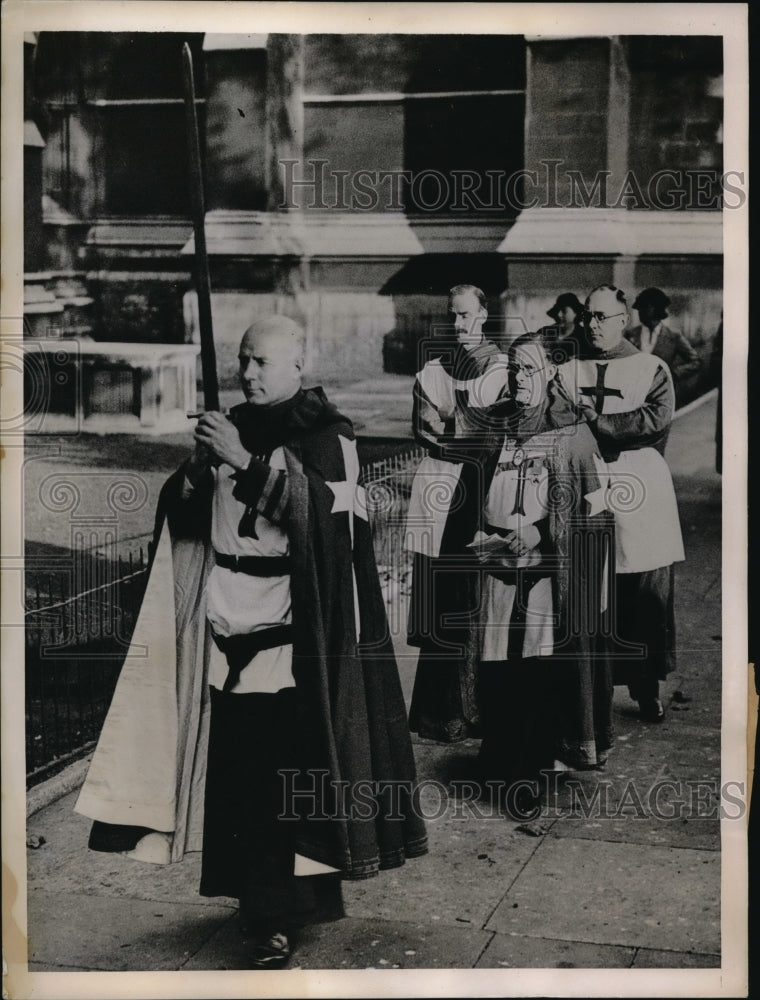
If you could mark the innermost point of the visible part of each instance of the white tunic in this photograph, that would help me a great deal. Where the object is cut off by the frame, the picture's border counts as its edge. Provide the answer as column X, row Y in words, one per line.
column 483, row 390
column 517, row 497
column 435, row 482
column 637, row 486
column 239, row 603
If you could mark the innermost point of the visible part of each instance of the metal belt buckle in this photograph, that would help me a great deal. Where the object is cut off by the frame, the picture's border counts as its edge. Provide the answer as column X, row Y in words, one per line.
column 235, row 563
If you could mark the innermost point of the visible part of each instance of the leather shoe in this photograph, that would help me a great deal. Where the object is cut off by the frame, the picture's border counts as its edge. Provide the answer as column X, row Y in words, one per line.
column 651, row 710
column 270, row 953
column 522, row 804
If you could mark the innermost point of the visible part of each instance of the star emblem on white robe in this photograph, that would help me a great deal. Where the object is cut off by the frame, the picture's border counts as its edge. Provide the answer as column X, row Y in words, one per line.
column 597, row 501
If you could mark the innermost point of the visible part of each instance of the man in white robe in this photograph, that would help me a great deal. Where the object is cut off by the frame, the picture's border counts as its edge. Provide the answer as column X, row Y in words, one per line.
column 453, row 394
column 627, row 398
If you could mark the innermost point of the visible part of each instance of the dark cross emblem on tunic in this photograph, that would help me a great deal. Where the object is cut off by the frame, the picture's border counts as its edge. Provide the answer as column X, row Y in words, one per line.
column 599, row 391
column 247, row 525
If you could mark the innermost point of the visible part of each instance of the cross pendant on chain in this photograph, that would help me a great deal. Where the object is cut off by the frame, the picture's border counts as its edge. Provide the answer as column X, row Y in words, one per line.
column 519, row 463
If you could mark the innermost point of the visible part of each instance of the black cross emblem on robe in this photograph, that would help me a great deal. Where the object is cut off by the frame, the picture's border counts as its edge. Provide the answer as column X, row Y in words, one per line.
column 247, row 525
column 599, row 391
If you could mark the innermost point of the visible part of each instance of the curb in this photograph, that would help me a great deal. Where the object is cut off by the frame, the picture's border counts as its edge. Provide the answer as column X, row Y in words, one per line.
column 55, row 788
column 696, row 403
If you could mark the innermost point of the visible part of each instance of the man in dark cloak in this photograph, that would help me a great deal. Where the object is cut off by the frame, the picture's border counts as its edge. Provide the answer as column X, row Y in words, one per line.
column 268, row 726
column 545, row 544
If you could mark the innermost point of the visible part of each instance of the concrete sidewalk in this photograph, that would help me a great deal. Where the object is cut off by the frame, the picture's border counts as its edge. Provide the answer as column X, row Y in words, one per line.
column 616, row 888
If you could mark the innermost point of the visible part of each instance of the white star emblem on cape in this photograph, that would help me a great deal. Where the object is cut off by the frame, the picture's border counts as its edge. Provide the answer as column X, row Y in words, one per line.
column 349, row 495
column 597, row 501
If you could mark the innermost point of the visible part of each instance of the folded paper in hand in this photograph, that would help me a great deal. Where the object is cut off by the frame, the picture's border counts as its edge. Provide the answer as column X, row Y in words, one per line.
column 496, row 549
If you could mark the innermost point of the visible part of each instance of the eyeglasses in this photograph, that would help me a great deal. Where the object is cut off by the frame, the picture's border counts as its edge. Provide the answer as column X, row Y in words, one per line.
column 600, row 317
column 528, row 371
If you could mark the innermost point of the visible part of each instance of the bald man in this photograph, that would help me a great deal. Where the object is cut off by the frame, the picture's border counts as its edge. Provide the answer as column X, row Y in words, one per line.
column 286, row 702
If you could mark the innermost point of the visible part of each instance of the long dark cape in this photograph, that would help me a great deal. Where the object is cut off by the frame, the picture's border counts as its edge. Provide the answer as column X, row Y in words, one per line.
column 358, row 775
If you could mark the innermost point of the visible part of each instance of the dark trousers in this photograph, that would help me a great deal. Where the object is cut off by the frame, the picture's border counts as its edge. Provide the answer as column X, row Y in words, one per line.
column 248, row 851
column 645, row 616
column 443, row 703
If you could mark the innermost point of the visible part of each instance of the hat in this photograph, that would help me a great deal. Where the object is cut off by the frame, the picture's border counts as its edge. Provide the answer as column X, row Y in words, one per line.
column 563, row 300
column 653, row 297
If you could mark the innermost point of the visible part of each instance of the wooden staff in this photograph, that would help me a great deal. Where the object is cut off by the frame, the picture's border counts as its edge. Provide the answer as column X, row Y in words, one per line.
column 202, row 279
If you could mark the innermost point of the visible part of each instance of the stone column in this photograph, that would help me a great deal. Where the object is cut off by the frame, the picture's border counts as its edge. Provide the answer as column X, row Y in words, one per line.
column 34, row 243
column 576, row 148
column 576, row 115
column 236, row 86
column 284, row 112
column 618, row 113
column 254, row 118
column 34, row 252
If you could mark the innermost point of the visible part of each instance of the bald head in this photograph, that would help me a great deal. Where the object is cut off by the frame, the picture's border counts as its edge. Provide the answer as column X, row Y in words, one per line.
column 271, row 359
column 289, row 334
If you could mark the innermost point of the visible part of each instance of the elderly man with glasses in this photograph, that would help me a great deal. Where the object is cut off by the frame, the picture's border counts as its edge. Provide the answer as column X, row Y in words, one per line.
column 545, row 549
column 626, row 396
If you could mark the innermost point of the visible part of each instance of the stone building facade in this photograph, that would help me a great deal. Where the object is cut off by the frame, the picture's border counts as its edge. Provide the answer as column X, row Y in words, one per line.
column 352, row 179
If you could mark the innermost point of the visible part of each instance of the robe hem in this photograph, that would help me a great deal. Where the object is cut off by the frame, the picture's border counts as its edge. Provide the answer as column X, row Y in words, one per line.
column 119, row 814
column 371, row 867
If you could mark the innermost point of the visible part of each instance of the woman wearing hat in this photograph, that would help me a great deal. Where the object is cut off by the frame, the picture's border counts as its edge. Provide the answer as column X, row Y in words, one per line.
column 653, row 337
column 566, row 337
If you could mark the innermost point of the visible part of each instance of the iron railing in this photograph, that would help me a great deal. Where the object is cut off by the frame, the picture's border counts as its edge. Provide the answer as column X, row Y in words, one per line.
column 75, row 646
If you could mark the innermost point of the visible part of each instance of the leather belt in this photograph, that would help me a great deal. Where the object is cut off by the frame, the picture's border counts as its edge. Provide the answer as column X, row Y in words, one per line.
column 239, row 650
column 255, row 565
